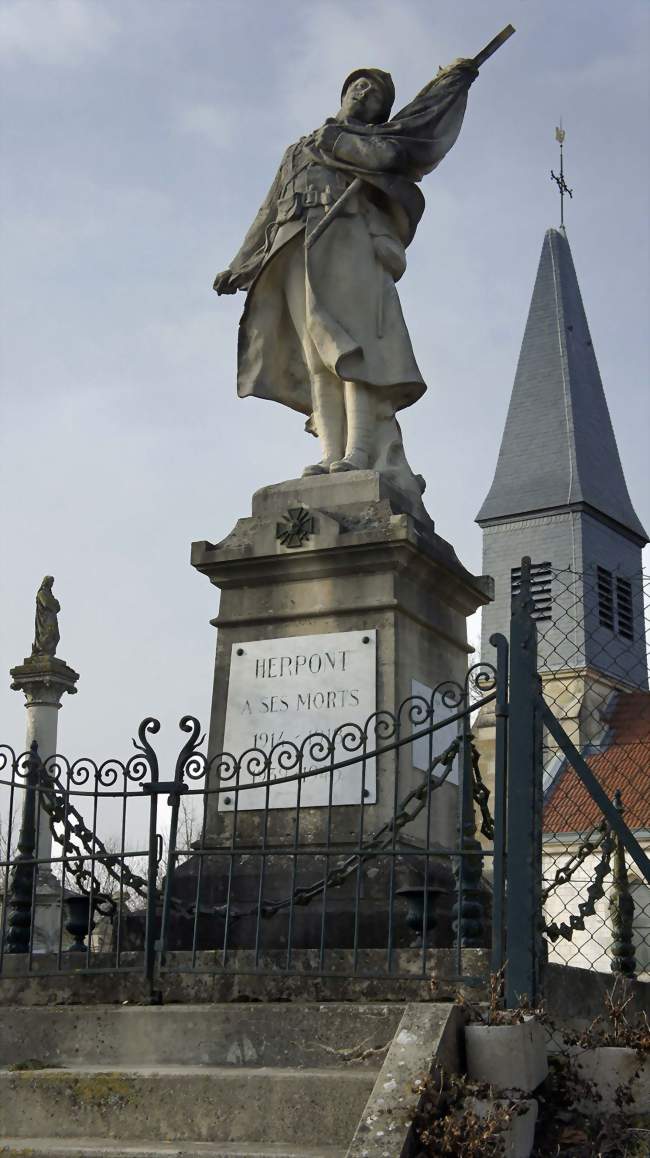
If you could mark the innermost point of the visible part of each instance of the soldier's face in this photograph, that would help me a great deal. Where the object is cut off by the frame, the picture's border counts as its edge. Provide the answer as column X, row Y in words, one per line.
column 362, row 100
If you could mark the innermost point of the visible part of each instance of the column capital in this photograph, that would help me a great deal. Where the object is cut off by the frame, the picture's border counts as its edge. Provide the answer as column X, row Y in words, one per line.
column 43, row 679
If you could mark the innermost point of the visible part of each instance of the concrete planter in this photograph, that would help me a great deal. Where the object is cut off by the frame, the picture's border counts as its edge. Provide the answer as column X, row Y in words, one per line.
column 510, row 1057
column 612, row 1066
column 520, row 1135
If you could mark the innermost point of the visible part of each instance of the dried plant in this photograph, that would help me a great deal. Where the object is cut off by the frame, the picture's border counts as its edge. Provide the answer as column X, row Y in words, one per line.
column 565, row 1130
column 447, row 1123
column 494, row 1013
column 615, row 1027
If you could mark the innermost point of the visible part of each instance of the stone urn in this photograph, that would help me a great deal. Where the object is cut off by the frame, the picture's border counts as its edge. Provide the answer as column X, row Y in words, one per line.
column 80, row 922
column 415, row 897
column 519, row 1136
column 610, row 1067
column 512, row 1057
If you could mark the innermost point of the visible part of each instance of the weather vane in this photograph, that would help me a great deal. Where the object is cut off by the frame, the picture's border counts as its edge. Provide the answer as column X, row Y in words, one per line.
column 561, row 183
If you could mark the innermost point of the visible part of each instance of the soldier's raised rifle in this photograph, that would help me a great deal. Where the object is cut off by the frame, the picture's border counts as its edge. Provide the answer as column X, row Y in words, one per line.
column 355, row 185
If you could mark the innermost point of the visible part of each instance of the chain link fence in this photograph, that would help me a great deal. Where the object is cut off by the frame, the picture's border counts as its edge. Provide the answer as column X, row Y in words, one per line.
column 594, row 670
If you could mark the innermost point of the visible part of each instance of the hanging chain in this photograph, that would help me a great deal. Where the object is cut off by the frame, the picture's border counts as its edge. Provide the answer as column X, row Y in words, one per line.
column 60, row 811
column 567, row 870
column 481, row 794
column 378, row 843
column 595, row 891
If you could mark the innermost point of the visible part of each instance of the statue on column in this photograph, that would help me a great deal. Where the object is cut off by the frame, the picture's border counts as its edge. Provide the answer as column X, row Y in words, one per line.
column 322, row 329
column 46, row 631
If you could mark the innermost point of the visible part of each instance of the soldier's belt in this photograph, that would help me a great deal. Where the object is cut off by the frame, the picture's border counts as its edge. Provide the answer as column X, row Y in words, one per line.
column 296, row 205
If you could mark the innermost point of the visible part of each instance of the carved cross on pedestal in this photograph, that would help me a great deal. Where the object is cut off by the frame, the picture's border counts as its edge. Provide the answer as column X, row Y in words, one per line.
column 296, row 528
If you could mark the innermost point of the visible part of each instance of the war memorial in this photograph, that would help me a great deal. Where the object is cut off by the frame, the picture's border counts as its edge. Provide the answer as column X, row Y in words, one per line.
column 339, row 603
column 382, row 846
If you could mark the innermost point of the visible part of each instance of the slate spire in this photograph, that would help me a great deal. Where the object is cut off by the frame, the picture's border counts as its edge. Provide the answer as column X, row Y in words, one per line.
column 558, row 449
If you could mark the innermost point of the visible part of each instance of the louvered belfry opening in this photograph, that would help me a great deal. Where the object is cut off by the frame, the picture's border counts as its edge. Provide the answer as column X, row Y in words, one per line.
column 624, row 608
column 605, row 581
column 615, row 604
column 541, row 589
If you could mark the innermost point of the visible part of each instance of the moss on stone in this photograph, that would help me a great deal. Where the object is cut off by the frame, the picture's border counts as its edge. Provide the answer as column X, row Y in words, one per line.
column 105, row 1090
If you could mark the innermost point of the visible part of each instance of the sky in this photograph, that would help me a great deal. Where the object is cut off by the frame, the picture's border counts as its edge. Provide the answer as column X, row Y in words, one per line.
column 137, row 139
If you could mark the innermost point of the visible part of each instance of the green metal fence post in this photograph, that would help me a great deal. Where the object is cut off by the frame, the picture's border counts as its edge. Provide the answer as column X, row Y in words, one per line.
column 20, row 901
column 500, row 782
column 524, row 800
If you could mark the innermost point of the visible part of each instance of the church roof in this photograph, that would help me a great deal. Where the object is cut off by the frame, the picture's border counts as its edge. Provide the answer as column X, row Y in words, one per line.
column 623, row 762
column 558, row 448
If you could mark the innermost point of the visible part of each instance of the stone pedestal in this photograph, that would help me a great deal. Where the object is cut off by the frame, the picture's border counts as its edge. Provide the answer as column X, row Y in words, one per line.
column 322, row 556
column 349, row 559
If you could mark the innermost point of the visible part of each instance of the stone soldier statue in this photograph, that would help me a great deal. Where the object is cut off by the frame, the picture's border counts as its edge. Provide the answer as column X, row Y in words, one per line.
column 322, row 329
column 46, row 628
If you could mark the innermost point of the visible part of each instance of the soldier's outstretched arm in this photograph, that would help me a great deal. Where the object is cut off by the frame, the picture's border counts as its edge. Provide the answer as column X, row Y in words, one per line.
column 380, row 153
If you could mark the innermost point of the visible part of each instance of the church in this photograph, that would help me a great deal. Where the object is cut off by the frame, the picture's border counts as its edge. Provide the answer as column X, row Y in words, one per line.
column 559, row 496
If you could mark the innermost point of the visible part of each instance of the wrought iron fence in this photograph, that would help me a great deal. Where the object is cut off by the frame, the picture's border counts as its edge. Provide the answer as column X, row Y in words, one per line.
column 592, row 660
column 99, row 874
column 79, row 852
column 391, row 885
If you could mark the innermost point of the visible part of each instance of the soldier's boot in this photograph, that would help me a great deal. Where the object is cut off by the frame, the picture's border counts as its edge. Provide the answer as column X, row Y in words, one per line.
column 360, row 412
column 327, row 420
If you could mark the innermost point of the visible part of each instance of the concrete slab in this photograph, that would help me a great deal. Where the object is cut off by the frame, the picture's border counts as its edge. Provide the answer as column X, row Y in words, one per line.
column 206, row 1104
column 322, row 1035
column 91, row 1148
column 428, row 1036
column 574, row 996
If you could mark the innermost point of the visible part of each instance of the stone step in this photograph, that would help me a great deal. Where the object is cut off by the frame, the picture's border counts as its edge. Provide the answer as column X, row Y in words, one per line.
column 190, row 1103
column 285, row 1034
column 92, row 1148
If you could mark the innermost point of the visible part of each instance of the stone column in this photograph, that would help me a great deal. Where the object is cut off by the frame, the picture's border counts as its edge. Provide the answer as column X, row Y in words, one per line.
column 43, row 679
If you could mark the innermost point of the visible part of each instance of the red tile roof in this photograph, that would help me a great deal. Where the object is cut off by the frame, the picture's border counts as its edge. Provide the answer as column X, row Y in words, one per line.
column 623, row 762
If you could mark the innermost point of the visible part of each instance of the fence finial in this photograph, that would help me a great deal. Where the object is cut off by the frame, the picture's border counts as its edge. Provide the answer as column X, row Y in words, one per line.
column 522, row 600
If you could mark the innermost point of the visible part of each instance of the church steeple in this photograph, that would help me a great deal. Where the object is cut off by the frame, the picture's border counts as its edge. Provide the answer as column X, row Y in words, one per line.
column 559, row 494
column 558, row 450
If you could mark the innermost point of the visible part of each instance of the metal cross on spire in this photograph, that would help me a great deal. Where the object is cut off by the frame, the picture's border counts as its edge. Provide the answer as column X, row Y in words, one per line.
column 561, row 183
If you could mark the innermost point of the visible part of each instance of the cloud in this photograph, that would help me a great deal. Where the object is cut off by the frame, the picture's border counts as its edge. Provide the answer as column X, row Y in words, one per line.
column 214, row 123
column 325, row 44
column 54, row 32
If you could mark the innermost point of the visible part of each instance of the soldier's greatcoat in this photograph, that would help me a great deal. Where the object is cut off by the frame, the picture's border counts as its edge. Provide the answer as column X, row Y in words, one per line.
column 352, row 310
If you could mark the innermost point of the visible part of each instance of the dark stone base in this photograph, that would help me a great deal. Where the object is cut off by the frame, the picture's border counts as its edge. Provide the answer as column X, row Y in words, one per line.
column 367, row 911
column 209, row 977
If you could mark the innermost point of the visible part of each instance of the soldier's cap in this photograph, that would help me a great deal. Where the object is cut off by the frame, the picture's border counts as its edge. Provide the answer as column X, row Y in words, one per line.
column 384, row 82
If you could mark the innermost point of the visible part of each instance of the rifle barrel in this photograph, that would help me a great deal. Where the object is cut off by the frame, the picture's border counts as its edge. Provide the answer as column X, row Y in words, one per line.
column 491, row 48
column 353, row 188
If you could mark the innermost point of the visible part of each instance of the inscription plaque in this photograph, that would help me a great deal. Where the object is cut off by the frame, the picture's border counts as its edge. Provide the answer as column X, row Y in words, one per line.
column 440, row 740
column 282, row 690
